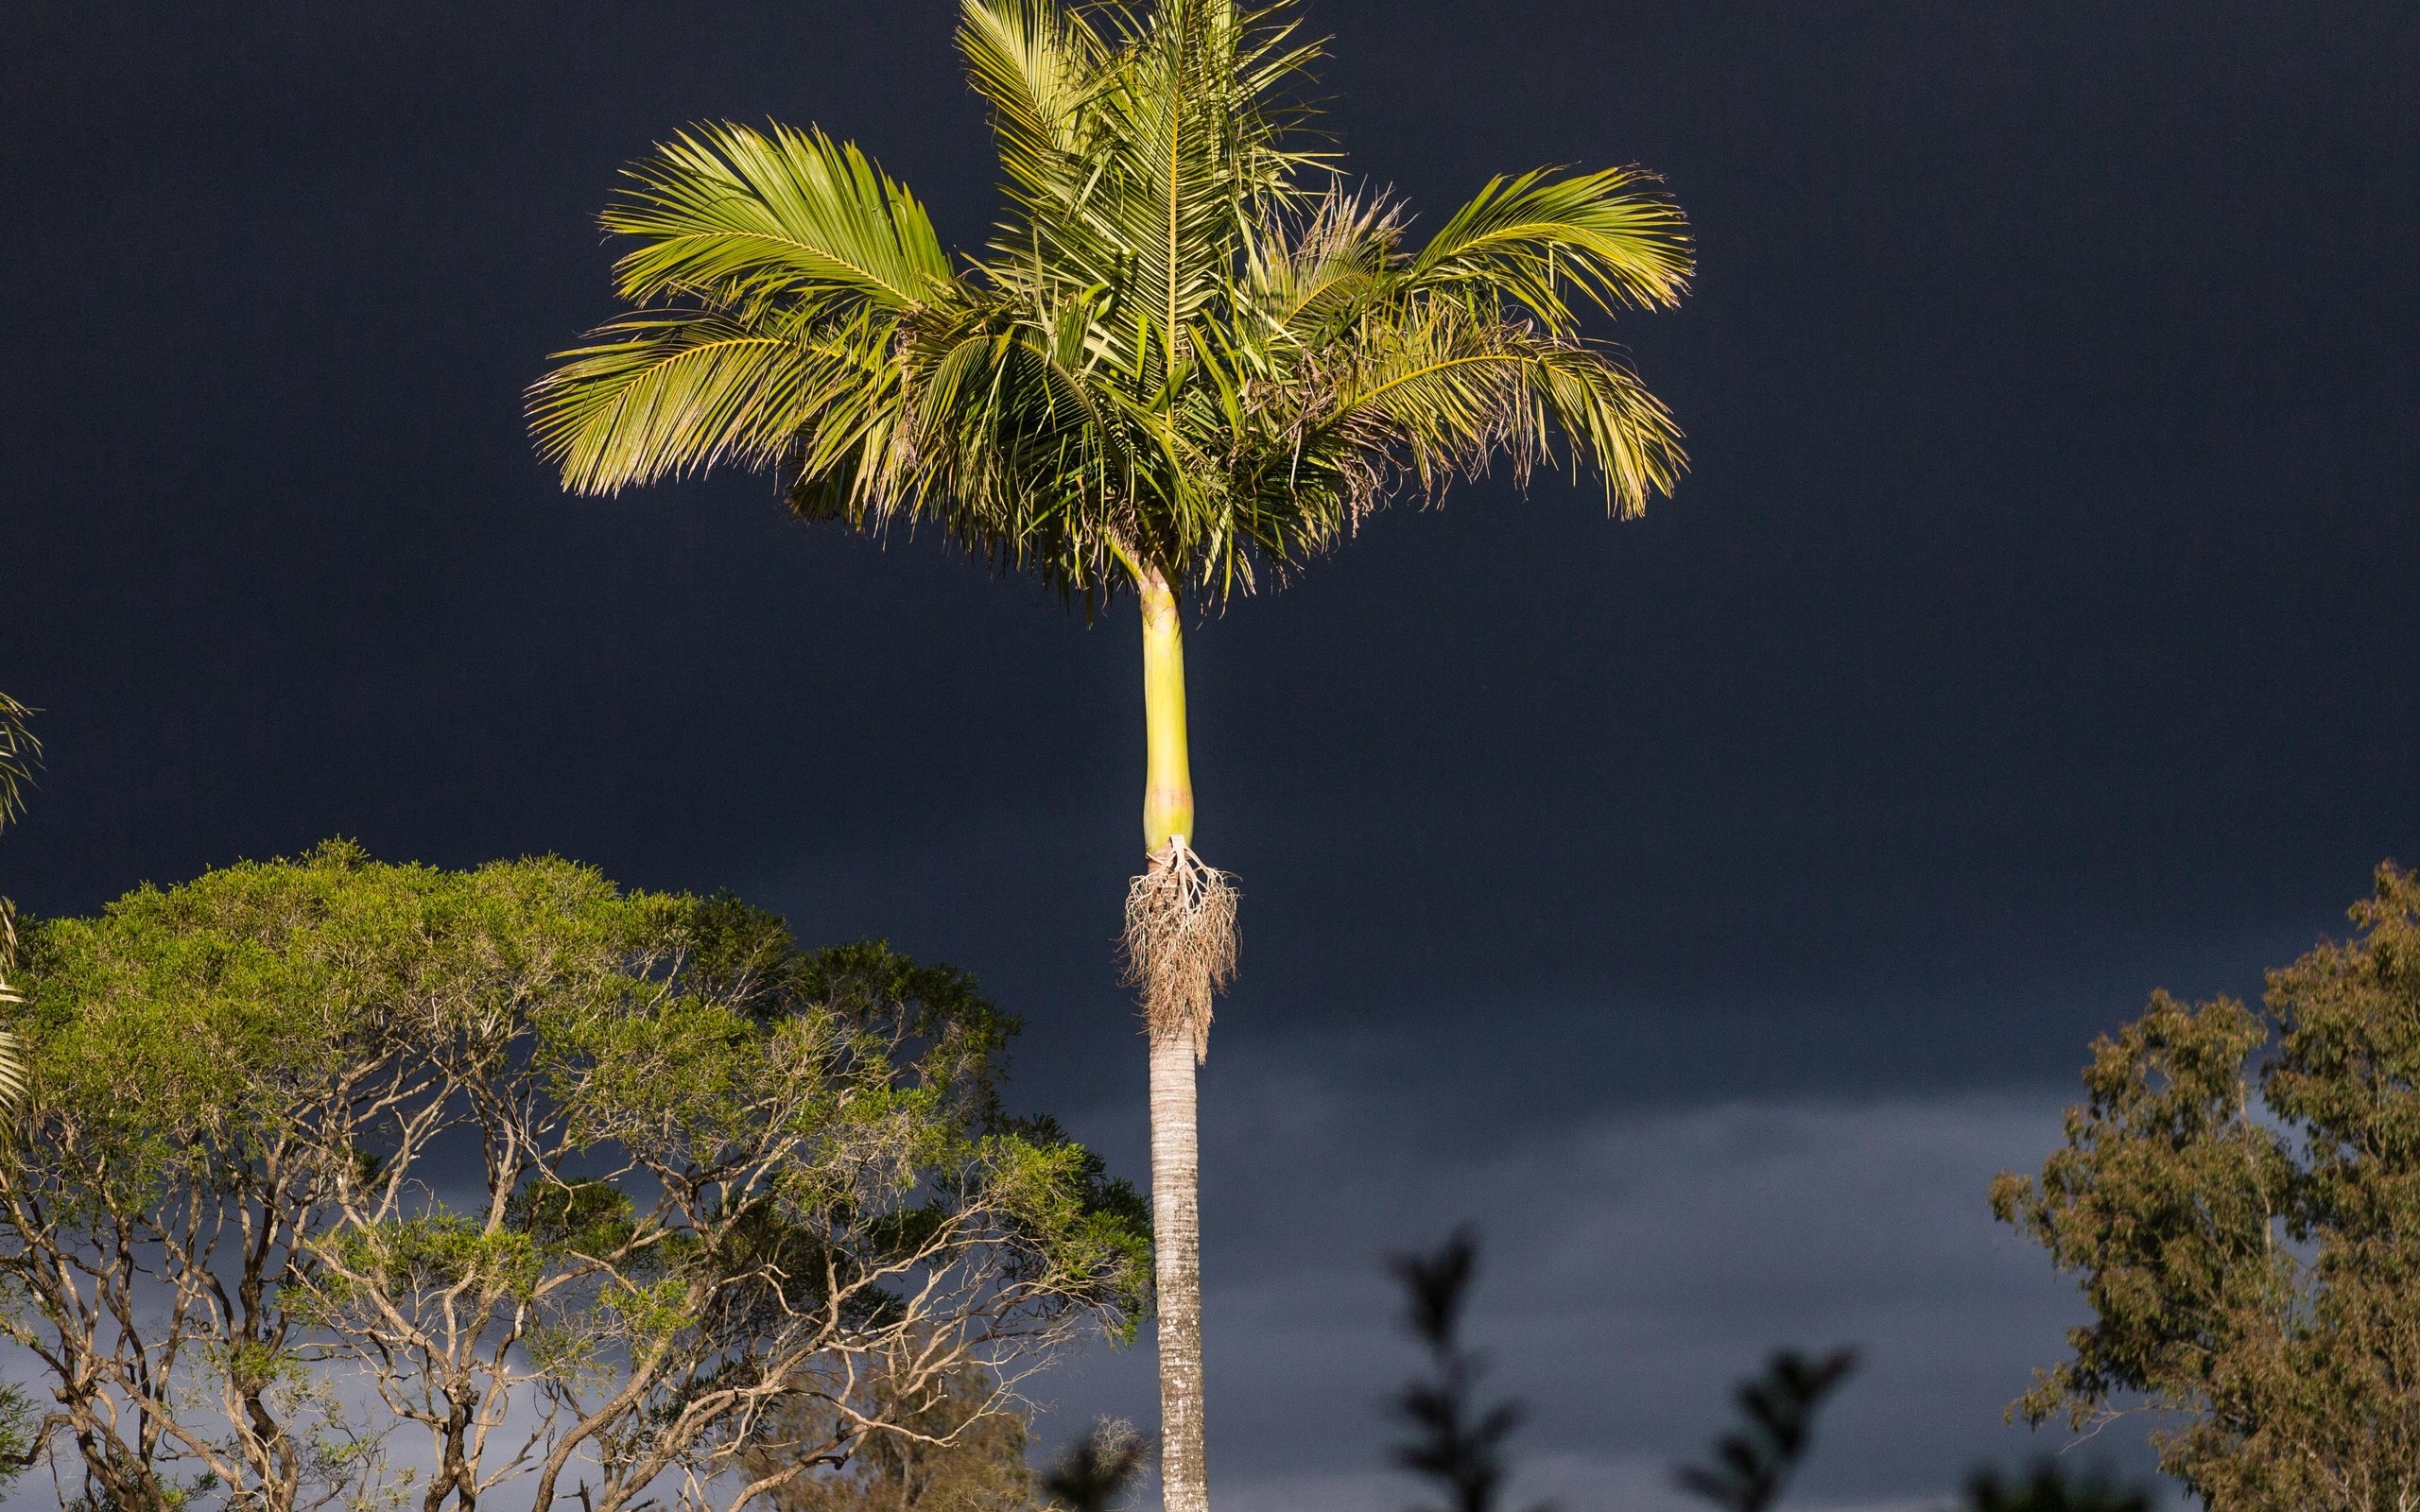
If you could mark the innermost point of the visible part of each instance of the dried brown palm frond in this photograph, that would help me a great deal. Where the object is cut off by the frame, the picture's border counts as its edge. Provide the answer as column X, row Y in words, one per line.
column 1180, row 941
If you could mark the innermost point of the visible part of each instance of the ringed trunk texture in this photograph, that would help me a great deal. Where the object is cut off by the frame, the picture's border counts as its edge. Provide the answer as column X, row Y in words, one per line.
column 1176, row 1235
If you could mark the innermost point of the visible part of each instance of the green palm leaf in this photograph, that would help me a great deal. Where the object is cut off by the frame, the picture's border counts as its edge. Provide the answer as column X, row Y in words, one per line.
column 1528, row 237
column 1038, row 67
column 12, row 1044
column 13, row 1079
column 673, row 393
column 1186, row 351
column 734, row 214
column 20, row 758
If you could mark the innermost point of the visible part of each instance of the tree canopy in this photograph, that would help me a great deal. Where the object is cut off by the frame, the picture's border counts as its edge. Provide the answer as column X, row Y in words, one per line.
column 1189, row 347
column 337, row 1180
column 2238, row 1197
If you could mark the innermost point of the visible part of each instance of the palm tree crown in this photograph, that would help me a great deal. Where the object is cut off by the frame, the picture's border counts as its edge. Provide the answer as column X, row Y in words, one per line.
column 1190, row 354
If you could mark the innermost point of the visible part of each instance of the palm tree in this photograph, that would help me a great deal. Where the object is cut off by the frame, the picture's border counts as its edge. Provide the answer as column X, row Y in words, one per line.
column 20, row 754
column 1191, row 361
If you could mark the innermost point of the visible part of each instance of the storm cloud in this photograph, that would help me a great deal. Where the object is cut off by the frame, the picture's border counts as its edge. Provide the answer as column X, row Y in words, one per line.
column 1706, row 905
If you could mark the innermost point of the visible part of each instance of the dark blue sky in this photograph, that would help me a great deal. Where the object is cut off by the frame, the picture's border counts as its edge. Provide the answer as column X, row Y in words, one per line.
column 1710, row 902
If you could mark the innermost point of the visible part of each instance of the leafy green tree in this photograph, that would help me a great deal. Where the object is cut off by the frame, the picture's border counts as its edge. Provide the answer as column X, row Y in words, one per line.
column 579, row 1188
column 1190, row 362
column 2238, row 1197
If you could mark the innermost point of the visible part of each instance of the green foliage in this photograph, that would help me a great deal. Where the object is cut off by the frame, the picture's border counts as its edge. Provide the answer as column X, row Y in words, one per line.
column 20, row 758
column 962, row 1447
column 436, row 1251
column 575, row 1218
column 2250, row 1260
column 20, row 1431
column 1187, row 351
column 700, row 1162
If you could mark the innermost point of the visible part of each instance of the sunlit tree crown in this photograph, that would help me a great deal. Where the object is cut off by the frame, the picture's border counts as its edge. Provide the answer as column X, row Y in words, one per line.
column 1190, row 349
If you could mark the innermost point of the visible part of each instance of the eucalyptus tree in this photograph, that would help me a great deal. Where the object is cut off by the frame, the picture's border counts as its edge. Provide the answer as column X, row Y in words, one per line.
column 2238, row 1198
column 567, row 1192
column 1191, row 361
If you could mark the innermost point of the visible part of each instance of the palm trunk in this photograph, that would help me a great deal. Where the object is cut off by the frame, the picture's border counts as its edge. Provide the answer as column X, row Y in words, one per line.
column 1167, row 783
column 1176, row 1214
column 1176, row 1237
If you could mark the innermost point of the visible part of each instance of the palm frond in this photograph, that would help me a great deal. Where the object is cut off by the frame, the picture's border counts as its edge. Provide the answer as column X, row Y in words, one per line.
column 1530, row 236
column 12, row 1044
column 732, row 214
column 13, row 1080
column 1037, row 65
column 1179, row 121
column 1752, row 1466
column 674, row 392
column 1015, row 435
column 1439, row 392
column 20, row 758
column 1449, row 408
column 1302, row 280
column 1611, row 422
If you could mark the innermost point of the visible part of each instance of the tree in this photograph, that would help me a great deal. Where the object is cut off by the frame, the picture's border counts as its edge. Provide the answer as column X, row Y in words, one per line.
column 578, row 1187
column 2049, row 1487
column 2239, row 1197
column 1458, row 1446
column 1751, row 1465
column 1190, row 362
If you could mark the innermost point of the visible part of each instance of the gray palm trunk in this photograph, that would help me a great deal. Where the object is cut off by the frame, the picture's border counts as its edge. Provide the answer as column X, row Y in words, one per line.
column 1176, row 1231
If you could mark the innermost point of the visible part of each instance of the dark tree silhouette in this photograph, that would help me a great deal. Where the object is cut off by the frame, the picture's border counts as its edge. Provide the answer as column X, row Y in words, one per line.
column 1093, row 1472
column 1752, row 1465
column 1457, row 1445
column 2051, row 1488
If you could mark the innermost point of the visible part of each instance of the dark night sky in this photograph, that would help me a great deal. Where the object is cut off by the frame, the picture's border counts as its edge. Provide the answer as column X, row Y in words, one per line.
column 1708, row 903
